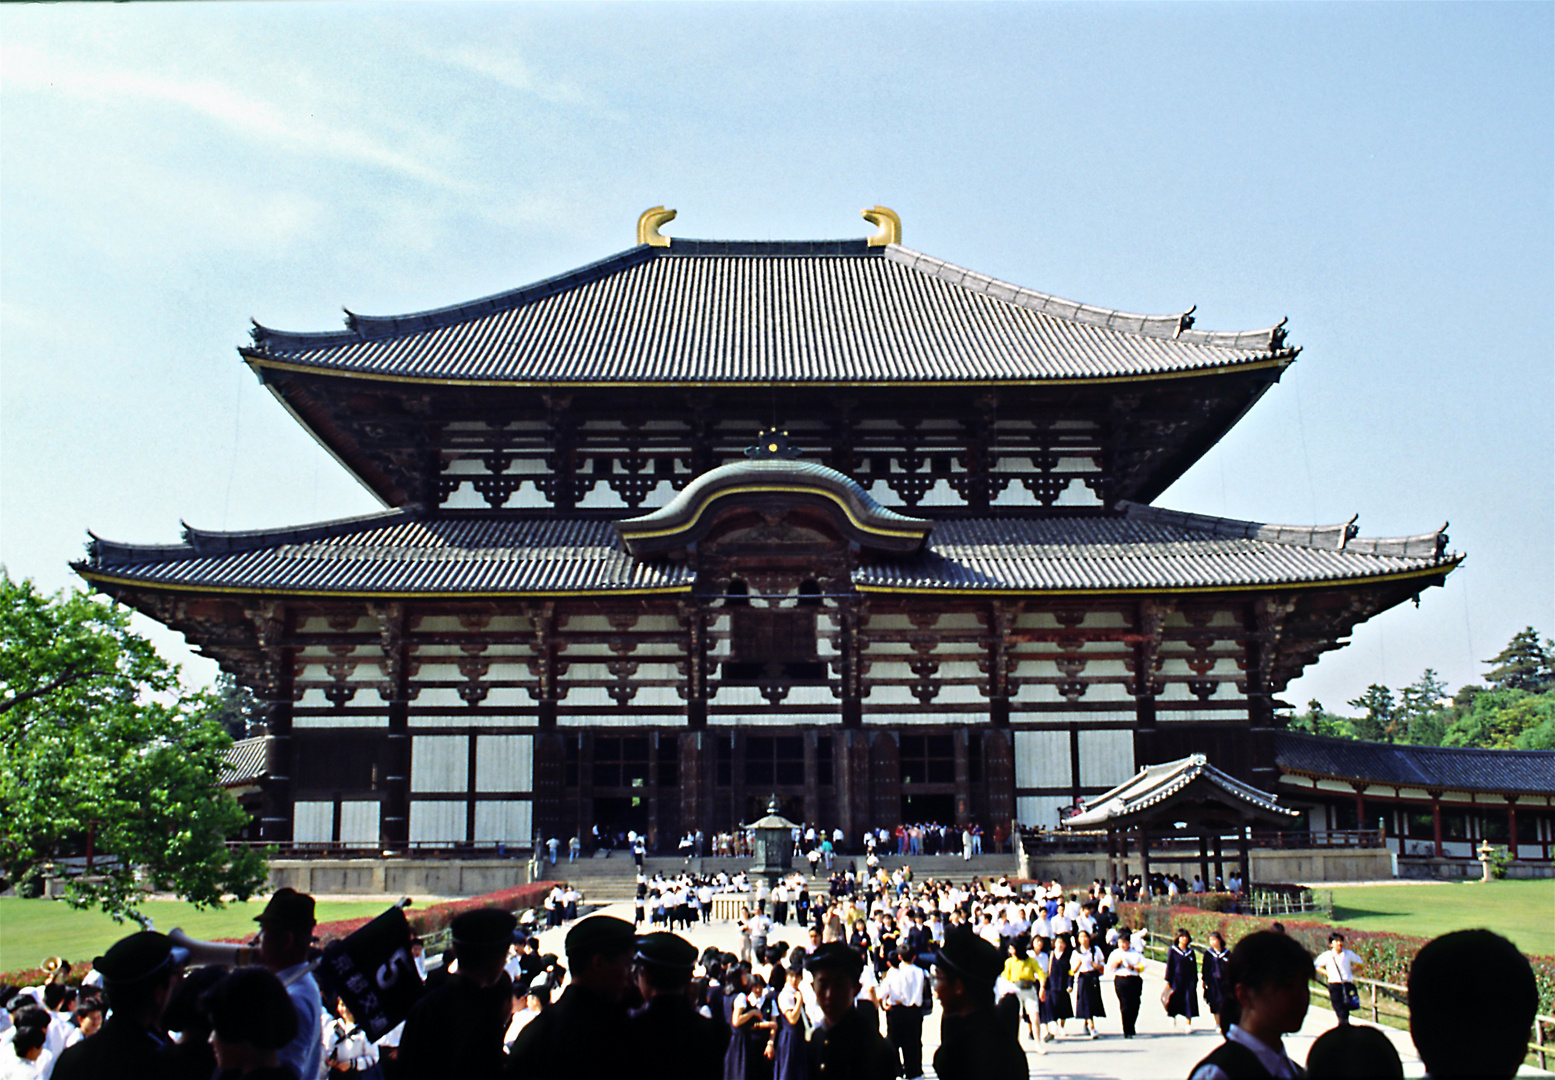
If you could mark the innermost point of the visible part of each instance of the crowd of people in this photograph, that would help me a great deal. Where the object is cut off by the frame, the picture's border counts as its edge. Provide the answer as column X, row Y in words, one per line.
column 822, row 985
column 817, row 844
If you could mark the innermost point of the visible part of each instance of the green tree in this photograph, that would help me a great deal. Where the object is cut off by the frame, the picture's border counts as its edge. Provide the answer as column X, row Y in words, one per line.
column 1423, row 716
column 98, row 738
column 1503, row 719
column 1527, row 663
column 1319, row 721
column 1382, row 721
column 236, row 708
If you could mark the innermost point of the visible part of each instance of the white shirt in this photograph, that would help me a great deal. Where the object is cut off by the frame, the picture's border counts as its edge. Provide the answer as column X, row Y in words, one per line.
column 902, row 985
column 17, row 1068
column 1271, row 1058
column 1337, row 965
column 1129, row 961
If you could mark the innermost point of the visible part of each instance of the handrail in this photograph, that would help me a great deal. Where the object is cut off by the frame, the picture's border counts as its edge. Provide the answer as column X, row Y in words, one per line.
column 1537, row 1047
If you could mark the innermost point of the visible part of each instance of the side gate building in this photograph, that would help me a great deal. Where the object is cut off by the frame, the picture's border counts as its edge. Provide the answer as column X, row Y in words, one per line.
column 708, row 520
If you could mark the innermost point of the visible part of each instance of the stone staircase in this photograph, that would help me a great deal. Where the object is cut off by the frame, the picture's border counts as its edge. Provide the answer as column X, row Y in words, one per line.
column 605, row 879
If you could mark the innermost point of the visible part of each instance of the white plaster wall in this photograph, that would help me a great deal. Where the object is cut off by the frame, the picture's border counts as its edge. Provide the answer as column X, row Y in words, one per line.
column 439, row 763
column 359, row 822
column 312, row 822
column 1106, row 758
column 504, row 762
column 1042, row 759
column 436, row 822
column 505, row 822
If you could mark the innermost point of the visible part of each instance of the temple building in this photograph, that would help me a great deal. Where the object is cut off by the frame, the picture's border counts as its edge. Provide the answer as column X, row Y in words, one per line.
column 708, row 520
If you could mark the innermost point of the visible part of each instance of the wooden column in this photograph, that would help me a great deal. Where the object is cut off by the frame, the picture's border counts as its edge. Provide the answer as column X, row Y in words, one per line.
column 737, row 793
column 694, row 808
column 1511, row 825
column 583, row 813
column 1144, row 859
column 1204, row 861
column 1220, row 867
column 851, row 615
column 1245, row 856
column 958, row 742
column 652, row 794
column 812, row 786
column 275, row 822
column 1436, row 822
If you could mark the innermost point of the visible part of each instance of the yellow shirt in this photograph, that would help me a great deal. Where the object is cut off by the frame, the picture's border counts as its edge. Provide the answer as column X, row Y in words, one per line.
column 1017, row 970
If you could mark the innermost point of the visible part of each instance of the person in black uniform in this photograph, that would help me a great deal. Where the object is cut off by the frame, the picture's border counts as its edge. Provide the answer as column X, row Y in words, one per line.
column 670, row 1040
column 584, row 1033
column 846, row 1045
column 457, row 1028
column 139, row 973
column 251, row 1017
column 974, row 1044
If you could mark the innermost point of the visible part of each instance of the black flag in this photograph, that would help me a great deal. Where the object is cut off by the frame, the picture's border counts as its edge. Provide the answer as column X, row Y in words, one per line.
column 373, row 972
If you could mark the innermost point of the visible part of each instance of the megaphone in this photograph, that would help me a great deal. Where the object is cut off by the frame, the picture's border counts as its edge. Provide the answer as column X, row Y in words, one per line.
column 216, row 953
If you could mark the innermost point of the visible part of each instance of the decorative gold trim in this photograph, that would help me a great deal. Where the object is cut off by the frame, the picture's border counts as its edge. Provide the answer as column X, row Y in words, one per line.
column 1174, row 590
column 648, row 226
column 627, row 534
column 890, row 225
column 246, row 590
column 255, row 360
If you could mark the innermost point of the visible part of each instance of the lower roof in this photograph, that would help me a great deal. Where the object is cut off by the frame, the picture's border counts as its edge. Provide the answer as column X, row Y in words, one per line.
column 396, row 553
column 1429, row 767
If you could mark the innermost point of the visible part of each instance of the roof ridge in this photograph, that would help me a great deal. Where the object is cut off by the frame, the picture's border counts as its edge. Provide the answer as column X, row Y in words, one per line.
column 369, row 327
column 200, row 542
column 1338, row 537
column 1172, row 327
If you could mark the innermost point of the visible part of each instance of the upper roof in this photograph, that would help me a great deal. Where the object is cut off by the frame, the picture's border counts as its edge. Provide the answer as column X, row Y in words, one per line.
column 244, row 762
column 1432, row 767
column 397, row 553
column 1154, row 785
column 791, row 312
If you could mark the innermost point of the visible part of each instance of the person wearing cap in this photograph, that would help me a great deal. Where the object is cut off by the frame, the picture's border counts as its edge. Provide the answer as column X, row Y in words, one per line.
column 973, row 1043
column 285, row 934
column 670, row 1039
column 584, row 1033
column 457, row 1029
column 139, row 973
column 846, row 1044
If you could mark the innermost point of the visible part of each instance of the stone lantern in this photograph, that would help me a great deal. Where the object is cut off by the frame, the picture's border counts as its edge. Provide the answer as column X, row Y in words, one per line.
column 1486, row 852
column 774, row 845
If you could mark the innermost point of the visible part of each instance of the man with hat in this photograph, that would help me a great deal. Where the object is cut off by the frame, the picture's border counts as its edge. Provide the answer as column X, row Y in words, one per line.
column 673, row 1042
column 846, row 1044
column 139, row 973
column 973, row 1044
column 457, row 1029
column 285, row 934
column 584, row 1033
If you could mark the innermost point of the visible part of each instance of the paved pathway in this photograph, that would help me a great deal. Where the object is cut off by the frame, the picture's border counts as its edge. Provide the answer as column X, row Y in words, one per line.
column 1156, row 1053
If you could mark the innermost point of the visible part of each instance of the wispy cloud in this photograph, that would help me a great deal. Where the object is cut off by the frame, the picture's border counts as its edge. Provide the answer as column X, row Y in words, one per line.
column 249, row 117
column 510, row 70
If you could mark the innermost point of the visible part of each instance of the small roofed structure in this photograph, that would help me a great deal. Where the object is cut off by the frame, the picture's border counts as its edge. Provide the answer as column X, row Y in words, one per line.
column 1190, row 795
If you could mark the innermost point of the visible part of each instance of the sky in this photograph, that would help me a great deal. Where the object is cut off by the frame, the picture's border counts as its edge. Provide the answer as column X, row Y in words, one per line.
column 1383, row 175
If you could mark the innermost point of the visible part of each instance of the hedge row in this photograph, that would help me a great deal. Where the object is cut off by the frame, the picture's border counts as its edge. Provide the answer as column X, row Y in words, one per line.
column 1387, row 956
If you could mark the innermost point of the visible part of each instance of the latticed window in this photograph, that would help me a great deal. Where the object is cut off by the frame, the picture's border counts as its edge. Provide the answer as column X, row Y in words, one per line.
column 775, row 760
column 620, row 761
column 928, row 759
column 768, row 645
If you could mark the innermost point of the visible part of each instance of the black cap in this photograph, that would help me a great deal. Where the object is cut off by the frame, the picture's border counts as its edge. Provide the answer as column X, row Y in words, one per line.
column 600, row 934
column 969, row 956
column 665, row 950
column 484, row 928
column 140, row 956
column 835, row 956
column 289, row 910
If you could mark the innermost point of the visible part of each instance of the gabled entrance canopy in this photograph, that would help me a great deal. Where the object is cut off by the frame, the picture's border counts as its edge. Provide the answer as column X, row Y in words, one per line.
column 1185, row 796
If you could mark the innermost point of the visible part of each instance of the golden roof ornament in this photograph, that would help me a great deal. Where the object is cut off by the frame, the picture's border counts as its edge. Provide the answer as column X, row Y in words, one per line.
column 890, row 225
column 648, row 226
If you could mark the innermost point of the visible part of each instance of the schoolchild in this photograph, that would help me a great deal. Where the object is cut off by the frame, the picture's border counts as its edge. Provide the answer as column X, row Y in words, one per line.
column 1181, row 996
column 1085, row 964
column 1127, row 967
column 1269, row 974
column 1337, row 966
column 1217, row 986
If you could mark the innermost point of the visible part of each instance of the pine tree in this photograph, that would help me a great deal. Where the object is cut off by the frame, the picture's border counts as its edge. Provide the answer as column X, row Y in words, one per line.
column 1525, row 664
column 1382, row 722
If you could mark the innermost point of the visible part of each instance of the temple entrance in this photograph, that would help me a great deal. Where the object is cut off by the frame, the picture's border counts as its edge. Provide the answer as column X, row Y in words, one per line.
column 620, row 815
column 929, row 809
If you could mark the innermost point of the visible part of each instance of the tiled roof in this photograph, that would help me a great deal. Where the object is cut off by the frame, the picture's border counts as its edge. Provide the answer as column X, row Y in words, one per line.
column 395, row 552
column 1156, row 783
column 790, row 312
column 1433, row 767
column 1144, row 548
column 245, row 762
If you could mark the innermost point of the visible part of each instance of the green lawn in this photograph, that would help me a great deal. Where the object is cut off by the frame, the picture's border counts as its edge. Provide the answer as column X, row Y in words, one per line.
column 31, row 930
column 1523, row 911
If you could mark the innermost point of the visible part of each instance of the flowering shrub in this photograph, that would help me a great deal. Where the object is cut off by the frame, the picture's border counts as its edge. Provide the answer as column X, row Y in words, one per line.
column 1387, row 956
